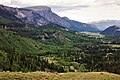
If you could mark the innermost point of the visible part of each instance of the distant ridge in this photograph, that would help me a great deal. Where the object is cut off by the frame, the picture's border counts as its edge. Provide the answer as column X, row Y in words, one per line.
column 112, row 30
column 103, row 24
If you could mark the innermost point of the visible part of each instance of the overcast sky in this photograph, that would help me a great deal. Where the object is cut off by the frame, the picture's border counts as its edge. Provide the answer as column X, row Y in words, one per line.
column 80, row 10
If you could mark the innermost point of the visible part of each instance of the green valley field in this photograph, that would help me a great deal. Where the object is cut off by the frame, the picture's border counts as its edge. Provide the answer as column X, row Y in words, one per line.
column 58, row 76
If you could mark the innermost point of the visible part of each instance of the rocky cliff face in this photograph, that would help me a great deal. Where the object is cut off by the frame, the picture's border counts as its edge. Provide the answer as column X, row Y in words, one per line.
column 31, row 17
column 38, row 15
column 112, row 30
column 46, row 12
column 26, row 15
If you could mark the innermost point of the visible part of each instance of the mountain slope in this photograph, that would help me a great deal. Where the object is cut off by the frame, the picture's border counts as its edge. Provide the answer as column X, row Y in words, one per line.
column 112, row 30
column 8, row 19
column 10, row 39
column 79, row 26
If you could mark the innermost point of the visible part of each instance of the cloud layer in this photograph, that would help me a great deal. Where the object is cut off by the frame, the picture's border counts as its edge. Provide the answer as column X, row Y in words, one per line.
column 82, row 10
column 21, row 3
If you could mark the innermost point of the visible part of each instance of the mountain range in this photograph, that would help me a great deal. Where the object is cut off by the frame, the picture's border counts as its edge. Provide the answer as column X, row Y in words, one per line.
column 43, row 15
column 103, row 24
column 112, row 31
column 79, row 26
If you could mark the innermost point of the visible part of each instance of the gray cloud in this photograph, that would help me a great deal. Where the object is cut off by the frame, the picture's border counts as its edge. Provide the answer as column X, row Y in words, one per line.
column 118, row 4
column 66, row 8
column 93, row 3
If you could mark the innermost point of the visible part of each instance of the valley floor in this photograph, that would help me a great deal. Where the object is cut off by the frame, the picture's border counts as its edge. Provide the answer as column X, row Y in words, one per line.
column 58, row 76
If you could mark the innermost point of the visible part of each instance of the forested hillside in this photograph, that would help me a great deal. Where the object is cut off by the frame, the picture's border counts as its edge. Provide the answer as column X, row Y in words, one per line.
column 26, row 47
column 53, row 48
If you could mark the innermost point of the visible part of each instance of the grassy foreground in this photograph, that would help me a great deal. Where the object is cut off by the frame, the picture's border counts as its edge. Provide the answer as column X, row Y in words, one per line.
column 58, row 76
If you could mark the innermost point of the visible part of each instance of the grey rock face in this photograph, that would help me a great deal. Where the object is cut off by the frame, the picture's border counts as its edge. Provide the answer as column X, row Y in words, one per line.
column 49, row 15
column 32, row 17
